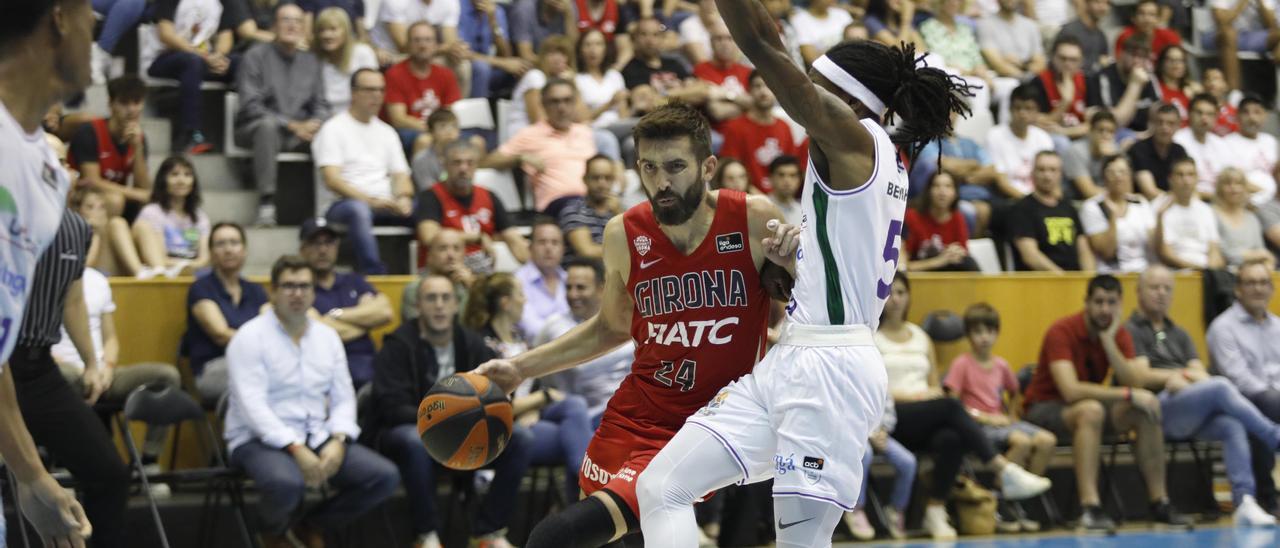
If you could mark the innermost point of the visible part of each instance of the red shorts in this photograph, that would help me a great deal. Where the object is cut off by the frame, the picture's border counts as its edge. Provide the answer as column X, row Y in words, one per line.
column 615, row 458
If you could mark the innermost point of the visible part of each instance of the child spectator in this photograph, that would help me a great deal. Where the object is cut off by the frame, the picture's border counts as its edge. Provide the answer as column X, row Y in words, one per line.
column 172, row 232
column 904, row 478
column 982, row 380
column 112, row 251
column 936, row 234
column 428, row 164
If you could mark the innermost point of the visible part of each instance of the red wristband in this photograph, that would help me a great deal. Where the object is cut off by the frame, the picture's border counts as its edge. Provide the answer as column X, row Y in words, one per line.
column 1128, row 394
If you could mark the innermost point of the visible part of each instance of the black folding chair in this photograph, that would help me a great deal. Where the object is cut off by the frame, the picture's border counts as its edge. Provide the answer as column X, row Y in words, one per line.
column 164, row 405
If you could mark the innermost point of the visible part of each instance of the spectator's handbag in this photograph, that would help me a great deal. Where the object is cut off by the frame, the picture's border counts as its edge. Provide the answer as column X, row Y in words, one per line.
column 975, row 508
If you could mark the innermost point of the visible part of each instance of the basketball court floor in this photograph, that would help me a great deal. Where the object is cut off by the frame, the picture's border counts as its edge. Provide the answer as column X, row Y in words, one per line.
column 1212, row 537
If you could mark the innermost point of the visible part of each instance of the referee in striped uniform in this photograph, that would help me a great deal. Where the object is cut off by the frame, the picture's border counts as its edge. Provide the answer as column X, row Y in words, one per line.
column 59, row 419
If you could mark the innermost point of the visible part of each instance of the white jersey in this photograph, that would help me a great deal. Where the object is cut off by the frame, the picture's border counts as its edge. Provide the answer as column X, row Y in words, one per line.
column 849, row 242
column 33, row 192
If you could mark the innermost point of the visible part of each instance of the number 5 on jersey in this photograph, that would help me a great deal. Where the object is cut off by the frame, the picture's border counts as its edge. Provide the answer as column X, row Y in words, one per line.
column 685, row 376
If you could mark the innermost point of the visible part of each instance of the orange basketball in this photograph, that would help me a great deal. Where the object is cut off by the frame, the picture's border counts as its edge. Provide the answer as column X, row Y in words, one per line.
column 465, row 421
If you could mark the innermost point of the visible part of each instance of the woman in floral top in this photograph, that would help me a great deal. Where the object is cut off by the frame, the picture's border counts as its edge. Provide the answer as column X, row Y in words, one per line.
column 951, row 36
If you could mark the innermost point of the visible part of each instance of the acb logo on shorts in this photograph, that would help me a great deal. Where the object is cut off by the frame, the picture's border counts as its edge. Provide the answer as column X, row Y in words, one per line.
column 813, row 463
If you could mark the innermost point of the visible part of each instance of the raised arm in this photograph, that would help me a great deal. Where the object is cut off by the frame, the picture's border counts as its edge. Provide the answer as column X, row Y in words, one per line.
column 831, row 123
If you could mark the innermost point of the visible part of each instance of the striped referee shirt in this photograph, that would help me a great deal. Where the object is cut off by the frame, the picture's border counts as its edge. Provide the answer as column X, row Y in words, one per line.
column 62, row 263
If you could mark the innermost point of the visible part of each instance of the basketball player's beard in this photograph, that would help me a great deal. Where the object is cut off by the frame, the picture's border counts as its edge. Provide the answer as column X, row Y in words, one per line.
column 684, row 207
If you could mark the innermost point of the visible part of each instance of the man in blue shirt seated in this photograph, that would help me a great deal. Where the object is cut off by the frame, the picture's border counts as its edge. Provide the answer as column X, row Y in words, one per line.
column 344, row 301
column 292, row 417
column 1244, row 342
column 412, row 359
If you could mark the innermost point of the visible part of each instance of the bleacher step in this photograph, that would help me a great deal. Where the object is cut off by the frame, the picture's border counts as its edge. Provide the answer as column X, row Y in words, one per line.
column 159, row 137
column 268, row 244
column 216, row 172
column 238, row 206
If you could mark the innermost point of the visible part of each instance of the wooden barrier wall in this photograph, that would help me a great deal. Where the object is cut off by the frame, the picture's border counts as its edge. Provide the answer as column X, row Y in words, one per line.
column 151, row 315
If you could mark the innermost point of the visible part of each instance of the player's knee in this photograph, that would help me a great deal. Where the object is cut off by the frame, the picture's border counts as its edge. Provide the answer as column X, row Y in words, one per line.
column 586, row 523
column 655, row 489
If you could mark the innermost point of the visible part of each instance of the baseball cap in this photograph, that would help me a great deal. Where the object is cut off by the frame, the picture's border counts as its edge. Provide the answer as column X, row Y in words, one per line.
column 316, row 225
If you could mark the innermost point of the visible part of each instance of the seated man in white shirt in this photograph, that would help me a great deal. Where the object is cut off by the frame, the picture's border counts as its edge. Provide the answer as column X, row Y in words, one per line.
column 1013, row 147
column 1253, row 151
column 598, row 379
column 291, row 423
column 120, row 381
column 1211, row 152
column 1186, row 234
column 361, row 160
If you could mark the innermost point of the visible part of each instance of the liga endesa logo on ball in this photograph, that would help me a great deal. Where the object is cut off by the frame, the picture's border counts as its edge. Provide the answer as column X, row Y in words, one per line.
column 464, row 421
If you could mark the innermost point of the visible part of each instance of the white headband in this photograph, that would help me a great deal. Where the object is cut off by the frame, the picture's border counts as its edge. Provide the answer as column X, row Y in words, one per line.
column 849, row 84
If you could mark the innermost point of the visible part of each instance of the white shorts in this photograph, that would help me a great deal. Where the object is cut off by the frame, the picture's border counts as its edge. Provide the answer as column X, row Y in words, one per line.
column 803, row 415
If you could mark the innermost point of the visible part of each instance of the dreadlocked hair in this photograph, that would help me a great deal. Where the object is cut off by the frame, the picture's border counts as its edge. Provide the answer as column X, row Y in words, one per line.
column 922, row 96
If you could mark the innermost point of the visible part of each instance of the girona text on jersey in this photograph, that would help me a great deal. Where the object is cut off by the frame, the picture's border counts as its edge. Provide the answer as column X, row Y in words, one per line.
column 662, row 295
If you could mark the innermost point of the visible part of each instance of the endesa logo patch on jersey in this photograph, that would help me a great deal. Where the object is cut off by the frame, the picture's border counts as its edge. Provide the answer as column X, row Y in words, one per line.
column 729, row 243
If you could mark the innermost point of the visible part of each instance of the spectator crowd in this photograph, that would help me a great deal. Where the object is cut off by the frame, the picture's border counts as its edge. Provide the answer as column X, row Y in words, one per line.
column 1105, row 140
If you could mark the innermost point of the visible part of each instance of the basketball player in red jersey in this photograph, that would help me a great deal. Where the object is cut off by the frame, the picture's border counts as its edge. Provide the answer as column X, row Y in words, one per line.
column 683, row 278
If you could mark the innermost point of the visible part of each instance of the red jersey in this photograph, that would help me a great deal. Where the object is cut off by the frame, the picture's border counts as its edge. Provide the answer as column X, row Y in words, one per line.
column 1176, row 97
column 757, row 146
column 732, row 78
column 927, row 237
column 1069, row 339
column 606, row 24
column 421, row 96
column 476, row 219
column 1074, row 115
column 699, row 320
column 113, row 165
column 1228, row 123
column 1160, row 39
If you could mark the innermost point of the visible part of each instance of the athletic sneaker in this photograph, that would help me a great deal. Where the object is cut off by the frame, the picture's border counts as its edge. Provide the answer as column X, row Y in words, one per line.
column 1163, row 513
column 1249, row 514
column 1017, row 483
column 897, row 523
column 1092, row 518
column 937, row 523
column 266, row 215
column 1007, row 519
column 858, row 525
column 428, row 540
column 1025, row 523
column 148, row 272
column 158, row 490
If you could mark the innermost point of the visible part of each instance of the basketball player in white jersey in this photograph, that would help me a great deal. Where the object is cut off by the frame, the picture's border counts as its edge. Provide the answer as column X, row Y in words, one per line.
column 44, row 59
column 803, row 416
